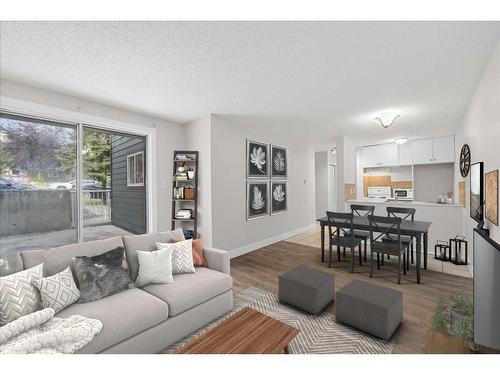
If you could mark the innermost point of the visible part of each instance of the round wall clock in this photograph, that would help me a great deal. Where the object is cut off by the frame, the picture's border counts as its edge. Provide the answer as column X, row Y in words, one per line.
column 465, row 160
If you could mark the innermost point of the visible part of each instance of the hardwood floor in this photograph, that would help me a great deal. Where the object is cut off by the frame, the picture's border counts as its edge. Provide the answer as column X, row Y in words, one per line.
column 262, row 267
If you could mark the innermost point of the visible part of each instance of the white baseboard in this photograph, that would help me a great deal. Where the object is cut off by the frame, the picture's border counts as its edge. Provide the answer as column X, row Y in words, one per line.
column 268, row 241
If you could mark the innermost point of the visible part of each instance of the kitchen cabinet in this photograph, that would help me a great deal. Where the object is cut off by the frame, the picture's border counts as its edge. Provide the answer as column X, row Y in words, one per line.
column 434, row 150
column 404, row 154
column 380, row 155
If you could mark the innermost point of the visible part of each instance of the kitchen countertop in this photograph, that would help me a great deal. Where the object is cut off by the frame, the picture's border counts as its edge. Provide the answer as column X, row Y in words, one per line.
column 402, row 203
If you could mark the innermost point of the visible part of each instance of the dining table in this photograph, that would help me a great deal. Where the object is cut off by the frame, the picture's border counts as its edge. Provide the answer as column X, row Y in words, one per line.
column 417, row 229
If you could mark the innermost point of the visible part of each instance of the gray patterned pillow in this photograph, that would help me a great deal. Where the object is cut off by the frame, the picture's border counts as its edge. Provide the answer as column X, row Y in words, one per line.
column 182, row 255
column 101, row 275
column 58, row 291
column 18, row 295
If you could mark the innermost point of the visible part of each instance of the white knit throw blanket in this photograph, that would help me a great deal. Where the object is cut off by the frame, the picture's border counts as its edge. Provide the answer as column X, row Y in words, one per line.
column 40, row 332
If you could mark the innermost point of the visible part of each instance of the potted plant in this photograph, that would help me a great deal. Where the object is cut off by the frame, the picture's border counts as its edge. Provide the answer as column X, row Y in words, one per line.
column 456, row 319
column 461, row 318
column 449, row 200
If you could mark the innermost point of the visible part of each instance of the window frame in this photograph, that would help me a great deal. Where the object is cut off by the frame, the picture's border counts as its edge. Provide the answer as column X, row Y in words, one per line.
column 134, row 164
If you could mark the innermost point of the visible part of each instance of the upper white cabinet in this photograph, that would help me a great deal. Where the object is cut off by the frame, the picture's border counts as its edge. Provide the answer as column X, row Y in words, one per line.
column 404, row 154
column 434, row 150
column 380, row 156
column 389, row 154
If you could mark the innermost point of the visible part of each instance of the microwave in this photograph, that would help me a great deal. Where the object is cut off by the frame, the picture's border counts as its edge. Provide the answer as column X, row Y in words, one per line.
column 403, row 194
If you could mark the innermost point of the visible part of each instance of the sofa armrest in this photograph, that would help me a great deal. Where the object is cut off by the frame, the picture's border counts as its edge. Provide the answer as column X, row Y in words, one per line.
column 217, row 259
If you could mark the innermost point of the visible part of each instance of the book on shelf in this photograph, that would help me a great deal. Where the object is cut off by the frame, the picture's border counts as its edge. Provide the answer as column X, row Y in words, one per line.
column 184, row 214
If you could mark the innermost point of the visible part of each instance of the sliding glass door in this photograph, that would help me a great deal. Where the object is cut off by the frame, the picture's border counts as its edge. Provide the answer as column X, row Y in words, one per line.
column 37, row 184
column 61, row 183
column 113, row 186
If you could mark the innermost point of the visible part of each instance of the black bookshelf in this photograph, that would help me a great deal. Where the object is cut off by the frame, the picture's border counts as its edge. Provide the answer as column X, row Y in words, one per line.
column 179, row 185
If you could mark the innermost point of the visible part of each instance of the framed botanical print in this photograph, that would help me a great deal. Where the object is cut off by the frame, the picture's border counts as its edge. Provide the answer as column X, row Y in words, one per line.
column 279, row 162
column 257, row 159
column 279, row 197
column 257, row 199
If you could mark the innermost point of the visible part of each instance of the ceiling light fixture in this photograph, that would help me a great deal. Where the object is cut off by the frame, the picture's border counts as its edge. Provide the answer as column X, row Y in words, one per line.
column 384, row 120
column 401, row 141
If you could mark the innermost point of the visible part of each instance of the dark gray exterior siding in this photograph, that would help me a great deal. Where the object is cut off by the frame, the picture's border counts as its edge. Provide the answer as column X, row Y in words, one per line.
column 128, row 204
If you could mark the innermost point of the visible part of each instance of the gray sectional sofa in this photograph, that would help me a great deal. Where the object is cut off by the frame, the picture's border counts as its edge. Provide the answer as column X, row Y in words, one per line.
column 149, row 319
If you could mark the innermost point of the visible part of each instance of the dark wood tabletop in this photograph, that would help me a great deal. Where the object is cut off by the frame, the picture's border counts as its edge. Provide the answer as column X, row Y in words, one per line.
column 417, row 229
column 407, row 227
column 246, row 332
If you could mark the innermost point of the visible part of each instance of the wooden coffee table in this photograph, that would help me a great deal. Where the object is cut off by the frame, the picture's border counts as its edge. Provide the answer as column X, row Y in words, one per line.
column 246, row 332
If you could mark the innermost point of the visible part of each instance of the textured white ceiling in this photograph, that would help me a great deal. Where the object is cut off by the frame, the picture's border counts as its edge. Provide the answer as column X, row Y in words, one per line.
column 323, row 78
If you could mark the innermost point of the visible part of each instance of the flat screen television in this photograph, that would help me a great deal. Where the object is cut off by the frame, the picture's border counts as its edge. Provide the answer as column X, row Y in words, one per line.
column 476, row 191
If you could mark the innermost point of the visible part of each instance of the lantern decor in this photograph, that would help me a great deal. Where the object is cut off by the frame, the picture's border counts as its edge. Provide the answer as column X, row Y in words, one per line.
column 459, row 256
column 440, row 251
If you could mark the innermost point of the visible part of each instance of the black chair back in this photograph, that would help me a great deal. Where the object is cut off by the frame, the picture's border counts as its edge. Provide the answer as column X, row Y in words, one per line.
column 383, row 227
column 405, row 213
column 342, row 221
column 362, row 210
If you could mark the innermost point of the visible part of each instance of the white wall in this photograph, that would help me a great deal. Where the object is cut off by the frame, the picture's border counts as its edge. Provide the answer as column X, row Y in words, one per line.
column 480, row 129
column 321, row 182
column 231, row 231
column 197, row 135
column 167, row 136
column 432, row 181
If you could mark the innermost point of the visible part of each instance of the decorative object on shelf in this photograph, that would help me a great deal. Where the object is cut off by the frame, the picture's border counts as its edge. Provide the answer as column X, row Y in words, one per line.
column 184, row 214
column 386, row 120
column 440, row 251
column 456, row 250
column 257, row 159
column 465, row 160
column 279, row 158
column 257, row 199
column 449, row 199
column 491, row 192
column 189, row 192
column 279, row 197
column 185, row 192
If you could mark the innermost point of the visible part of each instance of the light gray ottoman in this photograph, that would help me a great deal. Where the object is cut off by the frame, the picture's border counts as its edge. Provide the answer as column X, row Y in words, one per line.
column 306, row 288
column 370, row 308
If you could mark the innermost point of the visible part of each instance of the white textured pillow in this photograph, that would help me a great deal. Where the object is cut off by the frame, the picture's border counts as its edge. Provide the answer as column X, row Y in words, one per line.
column 182, row 255
column 58, row 291
column 155, row 267
column 18, row 295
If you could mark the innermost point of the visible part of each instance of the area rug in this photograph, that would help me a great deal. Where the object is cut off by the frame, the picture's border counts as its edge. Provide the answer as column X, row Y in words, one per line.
column 319, row 334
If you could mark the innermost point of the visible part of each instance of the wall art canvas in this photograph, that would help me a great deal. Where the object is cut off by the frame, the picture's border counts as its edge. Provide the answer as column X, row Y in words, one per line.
column 279, row 197
column 257, row 199
column 279, row 162
column 257, row 159
column 491, row 191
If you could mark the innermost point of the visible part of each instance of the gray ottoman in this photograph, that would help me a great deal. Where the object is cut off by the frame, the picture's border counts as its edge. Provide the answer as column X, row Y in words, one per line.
column 370, row 308
column 306, row 288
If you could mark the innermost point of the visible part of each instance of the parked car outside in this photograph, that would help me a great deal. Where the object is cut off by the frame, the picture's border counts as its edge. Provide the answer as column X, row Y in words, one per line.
column 6, row 184
column 71, row 185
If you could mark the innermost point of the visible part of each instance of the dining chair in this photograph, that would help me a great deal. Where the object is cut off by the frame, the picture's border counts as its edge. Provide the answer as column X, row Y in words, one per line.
column 362, row 210
column 383, row 241
column 406, row 214
column 343, row 236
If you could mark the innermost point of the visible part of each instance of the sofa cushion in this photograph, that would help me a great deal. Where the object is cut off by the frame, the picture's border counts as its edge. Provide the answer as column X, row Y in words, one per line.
column 10, row 264
column 123, row 315
column 190, row 289
column 57, row 259
column 146, row 242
